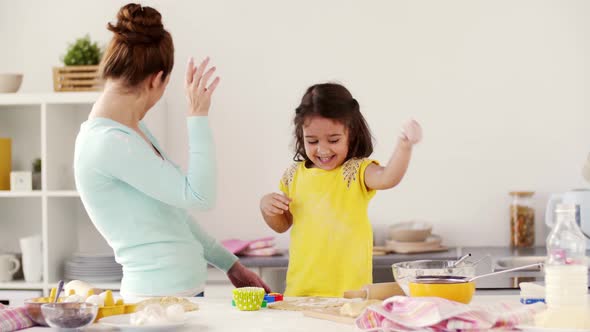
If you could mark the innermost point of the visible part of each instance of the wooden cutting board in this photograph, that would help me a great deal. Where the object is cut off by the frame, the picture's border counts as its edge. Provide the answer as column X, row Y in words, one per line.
column 331, row 316
column 312, row 303
column 346, row 314
column 324, row 308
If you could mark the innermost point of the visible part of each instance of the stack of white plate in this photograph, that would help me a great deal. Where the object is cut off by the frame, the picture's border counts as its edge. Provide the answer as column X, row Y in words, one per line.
column 93, row 268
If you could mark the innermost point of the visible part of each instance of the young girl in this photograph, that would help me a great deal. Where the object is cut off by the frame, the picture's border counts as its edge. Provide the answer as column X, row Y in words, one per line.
column 326, row 193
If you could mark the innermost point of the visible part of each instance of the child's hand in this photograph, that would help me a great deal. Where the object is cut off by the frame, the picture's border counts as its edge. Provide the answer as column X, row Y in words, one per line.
column 274, row 204
column 411, row 132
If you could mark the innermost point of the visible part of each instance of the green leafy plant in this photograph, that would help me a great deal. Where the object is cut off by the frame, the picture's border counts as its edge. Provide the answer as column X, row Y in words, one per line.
column 37, row 165
column 83, row 52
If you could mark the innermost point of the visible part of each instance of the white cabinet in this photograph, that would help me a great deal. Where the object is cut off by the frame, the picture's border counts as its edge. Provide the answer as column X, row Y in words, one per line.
column 45, row 126
column 17, row 297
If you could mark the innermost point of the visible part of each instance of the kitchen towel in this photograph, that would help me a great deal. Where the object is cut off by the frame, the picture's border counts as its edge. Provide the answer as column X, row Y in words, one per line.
column 402, row 313
column 251, row 248
column 14, row 319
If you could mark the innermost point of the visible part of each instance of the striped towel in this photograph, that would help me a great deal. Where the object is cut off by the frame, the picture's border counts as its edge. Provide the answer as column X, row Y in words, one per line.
column 402, row 313
column 14, row 319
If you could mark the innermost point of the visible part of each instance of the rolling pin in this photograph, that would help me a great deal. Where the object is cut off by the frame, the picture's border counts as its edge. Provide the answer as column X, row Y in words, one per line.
column 379, row 291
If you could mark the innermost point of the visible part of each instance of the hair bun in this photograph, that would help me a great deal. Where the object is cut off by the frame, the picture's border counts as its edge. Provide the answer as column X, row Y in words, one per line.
column 138, row 25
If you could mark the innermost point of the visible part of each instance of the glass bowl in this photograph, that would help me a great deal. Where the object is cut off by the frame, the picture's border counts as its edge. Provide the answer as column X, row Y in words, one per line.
column 69, row 315
column 404, row 272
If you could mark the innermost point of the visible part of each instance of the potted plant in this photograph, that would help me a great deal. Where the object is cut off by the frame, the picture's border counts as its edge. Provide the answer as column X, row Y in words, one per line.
column 37, row 174
column 81, row 67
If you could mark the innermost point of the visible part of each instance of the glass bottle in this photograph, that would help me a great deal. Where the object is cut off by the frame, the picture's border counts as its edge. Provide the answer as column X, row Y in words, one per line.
column 522, row 219
column 566, row 245
column 566, row 274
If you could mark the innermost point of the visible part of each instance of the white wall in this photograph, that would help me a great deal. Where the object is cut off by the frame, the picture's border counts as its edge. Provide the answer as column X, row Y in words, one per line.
column 500, row 87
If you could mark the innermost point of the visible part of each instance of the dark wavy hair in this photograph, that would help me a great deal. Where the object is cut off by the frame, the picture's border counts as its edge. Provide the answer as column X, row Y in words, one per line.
column 140, row 46
column 333, row 101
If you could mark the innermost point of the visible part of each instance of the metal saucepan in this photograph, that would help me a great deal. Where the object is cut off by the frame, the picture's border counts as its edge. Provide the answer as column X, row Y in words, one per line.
column 454, row 288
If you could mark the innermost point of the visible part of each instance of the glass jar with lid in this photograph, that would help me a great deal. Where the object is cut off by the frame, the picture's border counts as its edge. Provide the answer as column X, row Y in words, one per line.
column 522, row 219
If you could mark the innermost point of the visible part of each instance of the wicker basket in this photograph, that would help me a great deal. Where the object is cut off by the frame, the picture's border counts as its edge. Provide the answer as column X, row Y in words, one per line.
column 76, row 78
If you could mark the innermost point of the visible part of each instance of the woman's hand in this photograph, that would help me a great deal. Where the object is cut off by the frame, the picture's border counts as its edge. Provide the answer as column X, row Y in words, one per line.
column 411, row 132
column 242, row 277
column 198, row 93
column 274, row 204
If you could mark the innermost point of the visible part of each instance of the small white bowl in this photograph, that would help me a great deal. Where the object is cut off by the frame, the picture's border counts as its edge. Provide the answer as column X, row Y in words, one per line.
column 10, row 83
column 410, row 231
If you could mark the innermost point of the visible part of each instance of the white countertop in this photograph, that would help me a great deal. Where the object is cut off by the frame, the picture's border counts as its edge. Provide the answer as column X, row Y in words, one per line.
column 216, row 314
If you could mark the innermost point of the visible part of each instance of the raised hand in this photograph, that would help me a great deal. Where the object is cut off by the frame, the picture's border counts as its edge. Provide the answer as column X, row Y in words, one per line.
column 411, row 132
column 198, row 93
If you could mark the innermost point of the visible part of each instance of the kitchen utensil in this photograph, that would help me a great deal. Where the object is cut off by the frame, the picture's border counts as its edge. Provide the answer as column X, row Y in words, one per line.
column 461, row 260
column 458, row 290
column 378, row 291
column 71, row 315
column 524, row 267
column 404, row 272
column 60, row 287
column 454, row 288
column 410, row 231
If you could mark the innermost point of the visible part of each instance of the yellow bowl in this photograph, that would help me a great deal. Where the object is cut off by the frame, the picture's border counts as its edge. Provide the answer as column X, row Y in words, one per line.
column 454, row 290
column 405, row 272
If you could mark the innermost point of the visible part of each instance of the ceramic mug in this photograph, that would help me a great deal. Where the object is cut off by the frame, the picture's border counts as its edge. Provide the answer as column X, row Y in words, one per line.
column 9, row 264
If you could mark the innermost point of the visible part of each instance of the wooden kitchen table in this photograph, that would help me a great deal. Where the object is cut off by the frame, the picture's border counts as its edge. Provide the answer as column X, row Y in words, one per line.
column 217, row 314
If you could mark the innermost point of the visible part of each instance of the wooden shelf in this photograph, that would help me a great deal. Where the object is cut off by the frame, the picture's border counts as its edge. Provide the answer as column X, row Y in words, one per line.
column 38, row 193
column 48, row 98
column 63, row 193
column 45, row 125
column 17, row 194
column 21, row 284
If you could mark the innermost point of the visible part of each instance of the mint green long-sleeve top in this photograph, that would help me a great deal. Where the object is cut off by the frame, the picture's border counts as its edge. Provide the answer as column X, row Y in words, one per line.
column 139, row 201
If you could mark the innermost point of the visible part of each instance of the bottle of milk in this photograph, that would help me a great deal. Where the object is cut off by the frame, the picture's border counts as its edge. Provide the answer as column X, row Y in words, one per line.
column 566, row 274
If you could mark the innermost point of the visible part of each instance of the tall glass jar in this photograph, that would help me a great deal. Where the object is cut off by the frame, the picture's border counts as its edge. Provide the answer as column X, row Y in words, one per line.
column 522, row 219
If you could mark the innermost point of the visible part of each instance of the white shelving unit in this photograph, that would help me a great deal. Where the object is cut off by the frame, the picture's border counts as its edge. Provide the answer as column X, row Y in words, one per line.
column 45, row 126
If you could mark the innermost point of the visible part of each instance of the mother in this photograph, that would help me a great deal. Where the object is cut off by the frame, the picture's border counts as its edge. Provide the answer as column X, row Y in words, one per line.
column 135, row 196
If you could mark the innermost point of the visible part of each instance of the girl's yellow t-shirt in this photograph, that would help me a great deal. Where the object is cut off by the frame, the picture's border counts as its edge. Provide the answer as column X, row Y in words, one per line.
column 331, row 249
